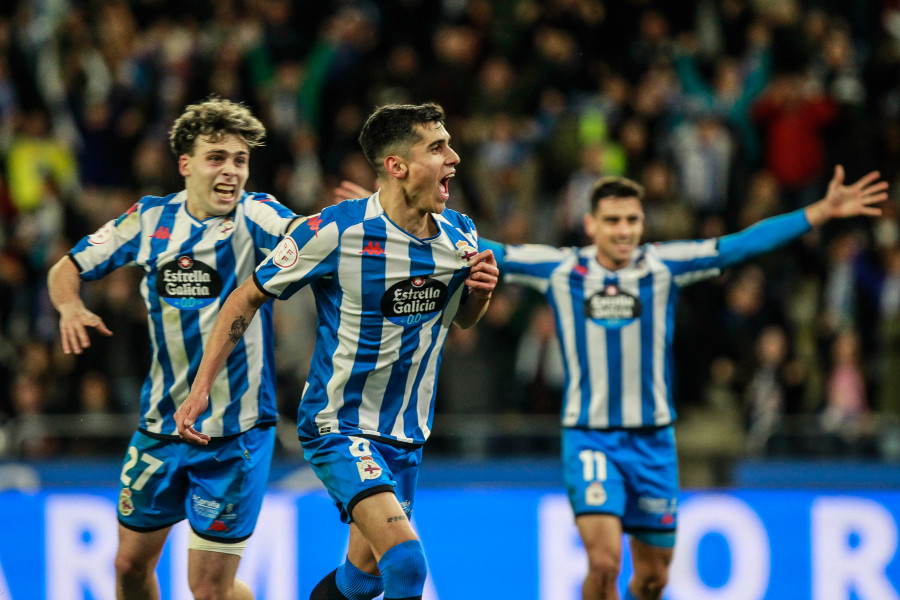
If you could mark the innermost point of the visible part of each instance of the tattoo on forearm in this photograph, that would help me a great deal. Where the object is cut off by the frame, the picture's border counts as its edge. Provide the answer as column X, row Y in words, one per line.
column 238, row 327
column 396, row 518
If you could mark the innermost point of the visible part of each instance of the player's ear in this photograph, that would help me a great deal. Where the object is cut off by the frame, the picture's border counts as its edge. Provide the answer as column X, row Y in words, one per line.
column 396, row 166
column 184, row 162
column 590, row 225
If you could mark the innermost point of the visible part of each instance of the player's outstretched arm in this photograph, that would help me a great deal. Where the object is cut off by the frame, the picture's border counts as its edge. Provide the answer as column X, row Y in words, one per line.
column 233, row 320
column 853, row 200
column 64, row 285
column 481, row 283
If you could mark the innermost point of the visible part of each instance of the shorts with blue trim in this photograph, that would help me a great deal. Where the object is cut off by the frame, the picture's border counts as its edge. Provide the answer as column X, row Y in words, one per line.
column 629, row 473
column 353, row 468
column 218, row 488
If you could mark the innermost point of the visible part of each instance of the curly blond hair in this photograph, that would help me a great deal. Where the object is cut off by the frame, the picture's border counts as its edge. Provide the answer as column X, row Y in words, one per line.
column 213, row 119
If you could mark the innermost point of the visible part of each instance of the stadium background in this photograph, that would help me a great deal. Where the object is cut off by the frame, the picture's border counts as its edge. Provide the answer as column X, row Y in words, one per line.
column 728, row 110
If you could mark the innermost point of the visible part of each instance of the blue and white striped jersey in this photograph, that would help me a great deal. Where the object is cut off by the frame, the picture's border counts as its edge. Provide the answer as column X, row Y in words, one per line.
column 190, row 269
column 385, row 302
column 616, row 327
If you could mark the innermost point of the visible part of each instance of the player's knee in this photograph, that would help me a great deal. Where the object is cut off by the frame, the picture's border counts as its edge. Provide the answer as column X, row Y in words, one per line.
column 208, row 589
column 403, row 570
column 603, row 568
column 131, row 571
column 650, row 585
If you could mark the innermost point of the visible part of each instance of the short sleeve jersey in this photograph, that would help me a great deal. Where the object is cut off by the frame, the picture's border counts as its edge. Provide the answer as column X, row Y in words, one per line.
column 385, row 302
column 190, row 268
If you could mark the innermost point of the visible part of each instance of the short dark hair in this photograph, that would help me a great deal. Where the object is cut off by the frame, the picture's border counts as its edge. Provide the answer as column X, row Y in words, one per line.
column 214, row 119
column 391, row 129
column 615, row 187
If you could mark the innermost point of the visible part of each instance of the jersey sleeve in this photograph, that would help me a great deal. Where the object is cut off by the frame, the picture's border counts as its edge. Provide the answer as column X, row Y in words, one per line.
column 530, row 264
column 267, row 219
column 762, row 237
column 308, row 253
column 693, row 261
column 115, row 244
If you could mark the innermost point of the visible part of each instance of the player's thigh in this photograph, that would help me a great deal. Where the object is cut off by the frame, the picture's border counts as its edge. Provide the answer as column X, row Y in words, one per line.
column 227, row 485
column 140, row 549
column 602, row 538
column 205, row 567
column 382, row 522
column 152, row 484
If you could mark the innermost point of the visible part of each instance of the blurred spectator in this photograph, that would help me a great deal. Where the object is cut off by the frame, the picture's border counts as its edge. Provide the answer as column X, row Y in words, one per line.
column 793, row 114
column 846, row 402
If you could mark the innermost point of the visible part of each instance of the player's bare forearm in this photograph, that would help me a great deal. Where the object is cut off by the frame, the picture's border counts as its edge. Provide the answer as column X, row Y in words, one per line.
column 64, row 286
column 63, row 283
column 481, row 283
column 471, row 310
column 233, row 320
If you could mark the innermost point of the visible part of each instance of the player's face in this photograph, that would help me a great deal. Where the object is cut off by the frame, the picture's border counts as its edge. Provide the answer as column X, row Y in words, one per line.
column 215, row 175
column 431, row 163
column 616, row 228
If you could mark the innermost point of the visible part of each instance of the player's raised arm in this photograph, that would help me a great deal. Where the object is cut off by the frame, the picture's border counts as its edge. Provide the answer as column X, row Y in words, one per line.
column 233, row 320
column 842, row 201
column 64, row 286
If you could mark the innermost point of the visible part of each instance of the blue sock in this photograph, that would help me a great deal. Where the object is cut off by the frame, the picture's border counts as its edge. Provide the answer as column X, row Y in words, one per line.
column 357, row 584
column 628, row 595
column 403, row 570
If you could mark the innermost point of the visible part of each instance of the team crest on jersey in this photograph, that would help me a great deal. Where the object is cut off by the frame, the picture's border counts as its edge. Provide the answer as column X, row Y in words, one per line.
column 188, row 284
column 225, row 229
column 104, row 234
column 368, row 468
column 126, row 506
column 286, row 253
column 414, row 300
column 465, row 253
column 595, row 495
column 612, row 308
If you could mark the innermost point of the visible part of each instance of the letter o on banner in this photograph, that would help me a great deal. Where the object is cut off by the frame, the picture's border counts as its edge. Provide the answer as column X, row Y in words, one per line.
column 747, row 541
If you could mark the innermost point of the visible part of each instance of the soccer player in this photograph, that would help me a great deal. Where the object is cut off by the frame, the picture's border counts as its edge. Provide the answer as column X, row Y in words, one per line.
column 614, row 304
column 390, row 273
column 194, row 246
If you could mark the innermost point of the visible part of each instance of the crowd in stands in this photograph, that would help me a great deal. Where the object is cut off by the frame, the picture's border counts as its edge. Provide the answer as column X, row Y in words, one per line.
column 728, row 111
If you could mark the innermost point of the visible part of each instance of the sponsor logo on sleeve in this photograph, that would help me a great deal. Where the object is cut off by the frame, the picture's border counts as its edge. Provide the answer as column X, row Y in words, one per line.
column 314, row 223
column 286, row 254
column 104, row 234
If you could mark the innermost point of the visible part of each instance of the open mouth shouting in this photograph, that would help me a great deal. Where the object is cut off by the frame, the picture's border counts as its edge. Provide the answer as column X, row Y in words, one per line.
column 225, row 192
column 445, row 187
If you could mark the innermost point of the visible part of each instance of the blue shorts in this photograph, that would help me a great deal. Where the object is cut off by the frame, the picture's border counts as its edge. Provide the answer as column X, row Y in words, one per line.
column 219, row 488
column 632, row 474
column 353, row 468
